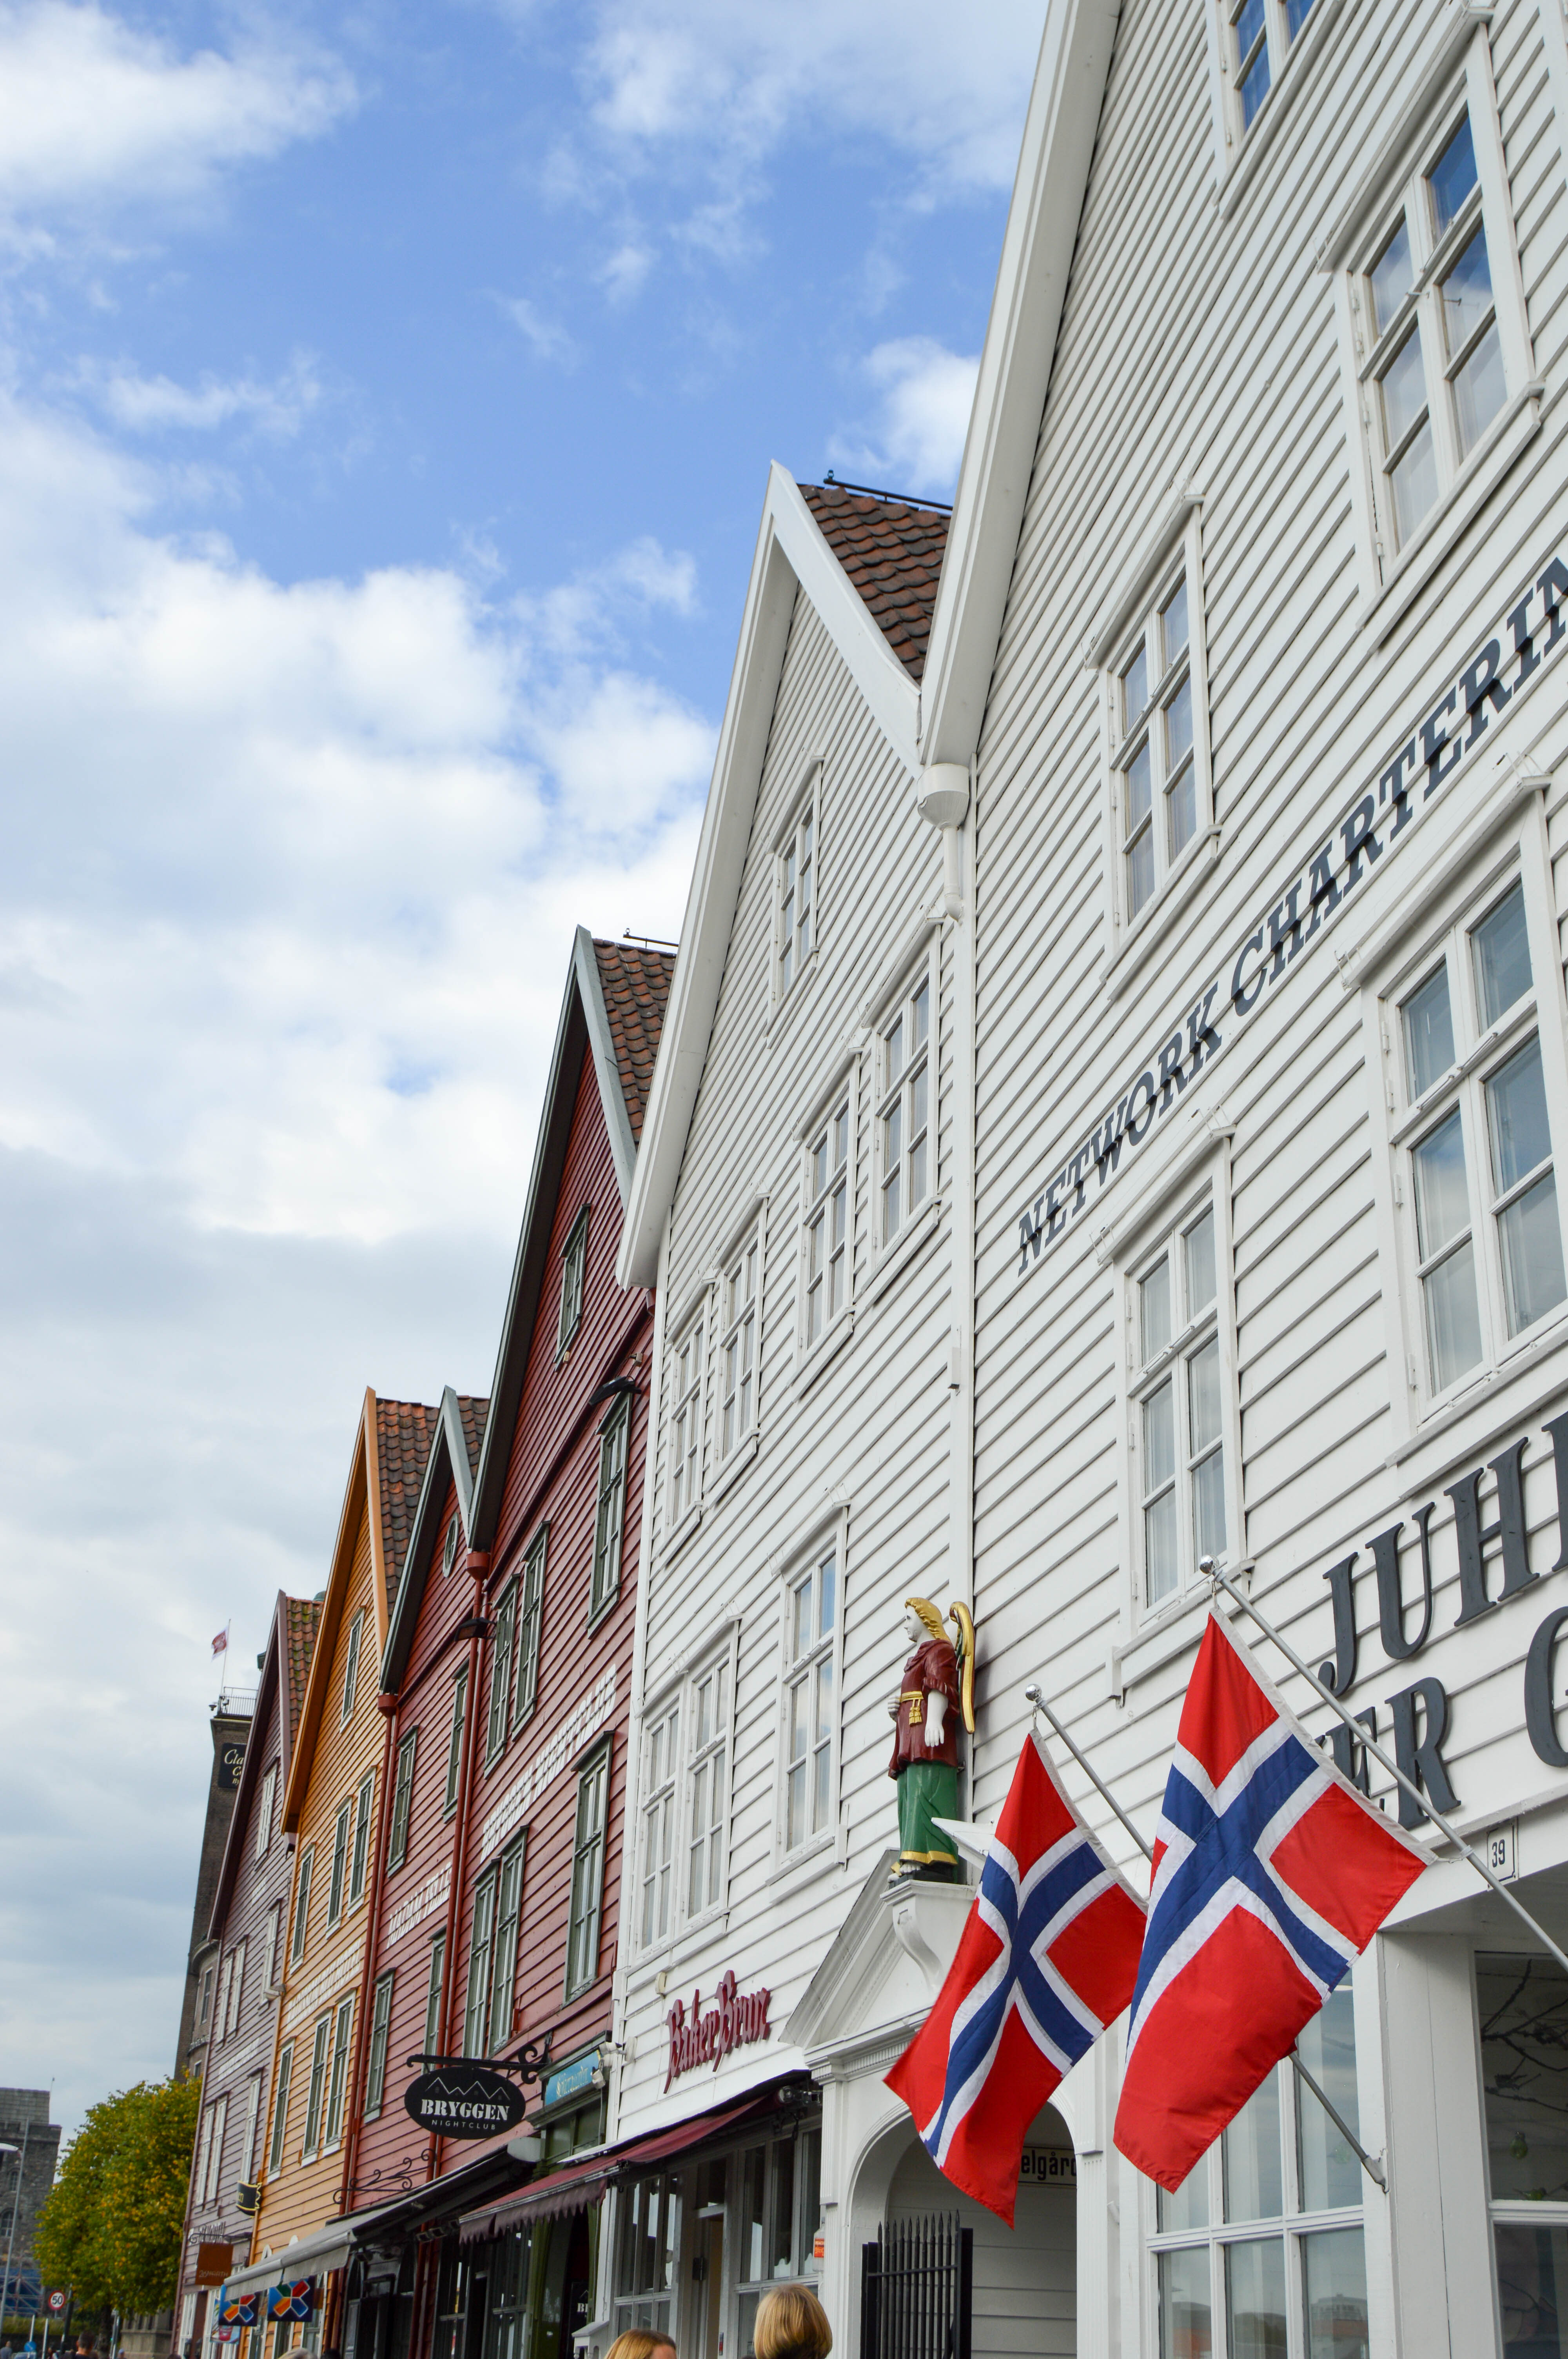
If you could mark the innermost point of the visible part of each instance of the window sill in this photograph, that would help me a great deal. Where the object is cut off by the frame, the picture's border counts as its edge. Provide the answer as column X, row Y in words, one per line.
column 602, row 1612
column 1516, row 426
column 902, row 1252
column 815, row 1364
column 805, row 1860
column 1161, row 1639
column 735, row 1466
column 1476, row 1395
column 1300, row 71
column 686, row 1529
column 1195, row 866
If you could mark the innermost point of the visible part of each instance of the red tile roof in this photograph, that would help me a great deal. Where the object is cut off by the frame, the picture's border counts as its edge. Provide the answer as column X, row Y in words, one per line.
column 402, row 1432
column 636, row 986
column 300, row 1619
column 473, row 1413
column 891, row 551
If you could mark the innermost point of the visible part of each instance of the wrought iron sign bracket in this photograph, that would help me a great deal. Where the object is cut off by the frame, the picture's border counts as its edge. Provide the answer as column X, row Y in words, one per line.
column 529, row 2062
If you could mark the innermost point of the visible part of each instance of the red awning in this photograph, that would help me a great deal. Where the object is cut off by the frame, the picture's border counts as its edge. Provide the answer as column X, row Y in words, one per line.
column 577, row 2184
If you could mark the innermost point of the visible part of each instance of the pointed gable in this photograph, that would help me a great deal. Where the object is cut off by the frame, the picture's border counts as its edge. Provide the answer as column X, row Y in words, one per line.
column 403, row 1435
column 636, row 985
column 891, row 551
column 303, row 1615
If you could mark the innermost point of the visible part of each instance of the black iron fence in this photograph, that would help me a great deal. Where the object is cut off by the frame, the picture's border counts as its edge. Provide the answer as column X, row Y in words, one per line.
column 917, row 2289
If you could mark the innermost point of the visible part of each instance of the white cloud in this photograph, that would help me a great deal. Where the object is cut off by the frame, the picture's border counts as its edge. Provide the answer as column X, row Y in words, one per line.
column 917, row 441
column 622, row 275
column 142, row 405
column 94, row 114
column 548, row 339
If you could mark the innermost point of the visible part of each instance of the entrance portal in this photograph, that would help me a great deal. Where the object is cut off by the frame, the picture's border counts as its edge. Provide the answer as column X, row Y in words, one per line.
column 1024, row 2300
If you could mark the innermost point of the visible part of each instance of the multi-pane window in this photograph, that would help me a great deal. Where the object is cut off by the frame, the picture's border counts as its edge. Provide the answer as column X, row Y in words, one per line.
column 587, row 1873
column 1429, row 346
column 433, row 1992
column 1178, row 1407
column 221, row 2020
column 454, row 1743
column 574, row 1262
column 796, row 895
column 500, row 1670
column 205, row 2007
column 338, row 2083
column 352, row 1664
column 302, row 1903
column 610, row 1514
column 269, row 1955
column 1482, row 1192
column 280, row 2109
column 777, row 2211
column 1262, row 33
column 1261, row 2249
column 828, row 1222
column 379, row 2034
column 401, row 1800
column 508, row 1918
column 1522, row 2001
column 253, row 2123
column 1154, row 761
column 264, row 1809
column 203, row 2155
column 360, row 1870
column 212, row 2177
column 649, row 2253
column 236, row 1989
column 737, row 1346
column 476, row 2018
column 903, row 1111
column 530, row 1621
column 450, row 1547
column 811, row 1607
column 316, row 2093
column 686, row 1422
column 709, row 1725
column 661, row 1744
column 340, row 1838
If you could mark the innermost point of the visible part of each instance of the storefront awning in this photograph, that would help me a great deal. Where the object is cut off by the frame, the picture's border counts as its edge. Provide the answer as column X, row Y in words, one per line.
column 314, row 2255
column 577, row 2184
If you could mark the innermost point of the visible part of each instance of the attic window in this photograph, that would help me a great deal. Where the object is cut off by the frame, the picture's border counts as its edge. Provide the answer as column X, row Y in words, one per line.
column 450, row 1548
column 574, row 1259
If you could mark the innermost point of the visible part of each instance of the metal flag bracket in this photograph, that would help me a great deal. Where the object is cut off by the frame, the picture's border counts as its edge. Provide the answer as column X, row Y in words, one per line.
column 1371, row 2164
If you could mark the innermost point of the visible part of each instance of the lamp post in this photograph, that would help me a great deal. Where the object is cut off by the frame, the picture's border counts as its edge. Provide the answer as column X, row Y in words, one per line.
column 21, row 2153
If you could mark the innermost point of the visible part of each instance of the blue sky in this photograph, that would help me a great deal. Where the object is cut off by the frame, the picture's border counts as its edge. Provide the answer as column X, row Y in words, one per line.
column 386, row 395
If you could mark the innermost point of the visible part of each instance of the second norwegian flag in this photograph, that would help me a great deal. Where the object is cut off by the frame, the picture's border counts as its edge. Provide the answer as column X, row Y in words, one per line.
column 1271, row 1873
column 1046, row 1959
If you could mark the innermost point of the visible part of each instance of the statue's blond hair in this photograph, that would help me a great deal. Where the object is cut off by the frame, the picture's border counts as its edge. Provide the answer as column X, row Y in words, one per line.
column 928, row 1614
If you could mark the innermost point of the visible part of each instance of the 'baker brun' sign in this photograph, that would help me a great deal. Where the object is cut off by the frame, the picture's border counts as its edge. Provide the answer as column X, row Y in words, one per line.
column 1439, row 744
column 734, row 2020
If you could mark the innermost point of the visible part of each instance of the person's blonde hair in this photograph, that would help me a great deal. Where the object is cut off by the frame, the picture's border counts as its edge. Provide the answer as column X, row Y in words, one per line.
column 639, row 2342
column 932, row 1621
column 790, row 2324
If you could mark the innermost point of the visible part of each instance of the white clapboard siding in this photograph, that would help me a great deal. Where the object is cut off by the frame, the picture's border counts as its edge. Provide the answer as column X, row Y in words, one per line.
column 1024, row 2284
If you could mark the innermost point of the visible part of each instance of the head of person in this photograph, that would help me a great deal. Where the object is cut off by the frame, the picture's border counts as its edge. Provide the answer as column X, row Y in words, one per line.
column 639, row 2342
column 790, row 2324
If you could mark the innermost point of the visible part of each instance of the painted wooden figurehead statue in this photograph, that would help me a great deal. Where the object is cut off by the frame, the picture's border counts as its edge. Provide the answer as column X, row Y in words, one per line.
column 937, row 1689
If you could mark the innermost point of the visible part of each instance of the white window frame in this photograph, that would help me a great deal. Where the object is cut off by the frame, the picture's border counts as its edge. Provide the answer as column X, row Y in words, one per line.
column 359, row 1870
column 686, row 1423
column 587, row 1855
column 302, row 1882
column 503, row 1650
column 455, row 1738
column 842, row 1101
column 482, row 1961
column 1459, row 80
column 1483, row 863
column 658, row 1895
column 273, row 1953
column 449, row 1544
column 236, row 1988
column 342, row 1839
column 797, row 849
column 203, row 2155
column 316, row 2090
column 379, row 2040
column 1173, row 552
column 714, row 1758
column 738, row 1310
column 220, row 2012
column 402, row 1800
column 280, row 2108
column 610, row 1507
column 338, row 2075
column 505, row 1941
column 264, row 1810
column 528, row 1648
column 573, row 1271
column 351, row 1666
column 668, row 1789
column 435, row 1990
column 1196, row 1179
column 204, row 2005
column 213, row 2188
column 798, row 1671
column 889, row 1090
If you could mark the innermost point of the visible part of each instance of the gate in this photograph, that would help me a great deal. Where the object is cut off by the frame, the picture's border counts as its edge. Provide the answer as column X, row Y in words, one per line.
column 917, row 2290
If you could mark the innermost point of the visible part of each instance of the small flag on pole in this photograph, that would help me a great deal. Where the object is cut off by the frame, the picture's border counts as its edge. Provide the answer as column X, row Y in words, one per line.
column 1046, row 1959
column 220, row 1642
column 1271, row 1873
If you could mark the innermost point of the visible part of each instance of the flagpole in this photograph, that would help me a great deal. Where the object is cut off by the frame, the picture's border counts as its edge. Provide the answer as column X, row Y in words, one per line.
column 1207, row 1566
column 1374, row 2170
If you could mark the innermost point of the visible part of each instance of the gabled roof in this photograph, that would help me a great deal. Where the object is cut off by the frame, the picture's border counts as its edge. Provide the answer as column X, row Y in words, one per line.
column 1042, row 232
column 456, row 1447
column 403, row 1439
column 793, row 557
column 285, row 1666
column 891, row 551
column 635, row 982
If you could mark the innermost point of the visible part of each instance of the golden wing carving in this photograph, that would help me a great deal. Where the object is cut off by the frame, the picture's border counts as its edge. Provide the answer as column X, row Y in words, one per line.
column 960, row 1618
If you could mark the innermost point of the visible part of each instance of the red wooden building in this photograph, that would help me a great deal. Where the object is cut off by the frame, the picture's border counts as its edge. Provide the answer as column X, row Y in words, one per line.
column 507, row 1688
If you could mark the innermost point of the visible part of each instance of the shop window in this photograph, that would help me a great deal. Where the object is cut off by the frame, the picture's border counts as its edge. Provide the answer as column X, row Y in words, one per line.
column 379, row 2034
column 302, row 1903
column 1262, row 2244
column 706, row 1784
column 827, row 1243
column 316, row 2093
column 280, row 2109
column 338, row 1884
column 610, row 1512
column 795, row 890
column 351, row 1666
column 574, row 1263
column 660, row 1748
column 359, row 1870
column 587, row 1873
column 1522, row 2003
column 1180, row 1402
column 737, row 1346
column 530, row 1627
column 648, row 2255
column 1472, row 1070
column 455, row 1743
column 512, row 2263
column 504, row 1971
column 338, row 2082
column 264, row 1810
column 401, row 1800
column 905, row 1149
column 810, row 1715
column 504, row 1640
column 777, row 2215
column 433, row 1986
column 686, row 1421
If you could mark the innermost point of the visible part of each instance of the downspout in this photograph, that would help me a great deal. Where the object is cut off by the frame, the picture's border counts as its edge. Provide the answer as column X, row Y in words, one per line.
column 387, row 1706
column 653, row 1410
column 477, row 1563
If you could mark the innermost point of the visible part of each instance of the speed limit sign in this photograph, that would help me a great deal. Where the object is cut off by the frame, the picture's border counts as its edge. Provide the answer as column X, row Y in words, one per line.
column 56, row 2301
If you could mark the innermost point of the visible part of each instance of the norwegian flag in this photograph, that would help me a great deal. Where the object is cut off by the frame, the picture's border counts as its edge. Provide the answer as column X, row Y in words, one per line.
column 1271, row 1873
column 1047, row 1958
column 220, row 1642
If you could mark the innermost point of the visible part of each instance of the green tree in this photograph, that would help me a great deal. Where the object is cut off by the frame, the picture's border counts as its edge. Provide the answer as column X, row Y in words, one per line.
column 111, row 2227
